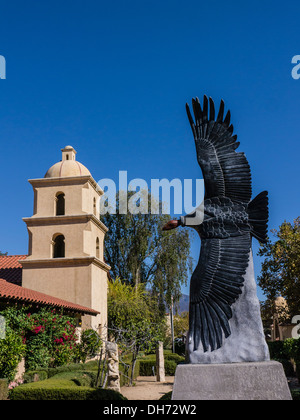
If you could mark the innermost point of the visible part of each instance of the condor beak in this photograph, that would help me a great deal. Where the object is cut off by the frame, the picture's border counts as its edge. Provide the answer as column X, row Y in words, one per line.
column 172, row 224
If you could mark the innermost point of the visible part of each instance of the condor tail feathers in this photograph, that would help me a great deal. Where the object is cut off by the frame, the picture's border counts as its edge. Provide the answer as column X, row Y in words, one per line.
column 258, row 210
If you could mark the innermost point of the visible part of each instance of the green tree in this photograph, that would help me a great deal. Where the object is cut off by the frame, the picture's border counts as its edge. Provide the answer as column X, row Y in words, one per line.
column 138, row 251
column 181, row 324
column 280, row 274
column 3, row 254
column 133, row 320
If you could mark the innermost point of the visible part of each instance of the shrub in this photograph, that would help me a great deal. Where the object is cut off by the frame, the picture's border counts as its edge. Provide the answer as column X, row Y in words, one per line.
column 3, row 389
column 62, row 390
column 278, row 350
column 295, row 394
column 90, row 345
column 72, row 367
column 170, row 367
column 35, row 376
column 86, row 379
column 180, row 347
column 167, row 396
column 175, row 358
column 106, row 395
column 11, row 352
column 292, row 346
column 148, row 367
column 48, row 337
column 37, row 355
column 287, row 366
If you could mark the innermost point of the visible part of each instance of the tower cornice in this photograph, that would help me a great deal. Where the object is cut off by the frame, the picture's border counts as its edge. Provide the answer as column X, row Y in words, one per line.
column 74, row 180
column 63, row 220
column 64, row 262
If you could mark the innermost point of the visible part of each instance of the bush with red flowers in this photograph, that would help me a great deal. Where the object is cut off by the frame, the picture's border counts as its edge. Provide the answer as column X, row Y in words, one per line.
column 49, row 336
column 51, row 341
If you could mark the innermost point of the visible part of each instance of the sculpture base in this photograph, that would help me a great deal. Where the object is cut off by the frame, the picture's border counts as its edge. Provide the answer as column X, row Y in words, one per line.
column 231, row 381
column 247, row 341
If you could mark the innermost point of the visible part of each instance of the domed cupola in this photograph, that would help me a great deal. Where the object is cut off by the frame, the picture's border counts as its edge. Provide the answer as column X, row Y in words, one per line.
column 68, row 166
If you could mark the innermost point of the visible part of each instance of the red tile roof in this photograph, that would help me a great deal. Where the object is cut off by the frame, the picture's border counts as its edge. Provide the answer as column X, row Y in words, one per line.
column 11, row 269
column 12, row 292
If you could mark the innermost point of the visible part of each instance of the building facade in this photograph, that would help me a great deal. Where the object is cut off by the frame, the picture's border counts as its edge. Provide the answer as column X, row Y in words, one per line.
column 66, row 239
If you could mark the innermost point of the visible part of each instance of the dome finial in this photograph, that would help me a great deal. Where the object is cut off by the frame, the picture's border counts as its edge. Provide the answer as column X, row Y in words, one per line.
column 68, row 153
column 68, row 166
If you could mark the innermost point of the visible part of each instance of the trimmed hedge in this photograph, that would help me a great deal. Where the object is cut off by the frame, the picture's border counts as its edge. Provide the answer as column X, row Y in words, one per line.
column 175, row 358
column 167, row 396
column 84, row 378
column 67, row 385
column 77, row 381
column 89, row 369
column 295, row 394
column 279, row 352
column 3, row 389
column 42, row 374
column 35, row 376
column 149, row 362
column 28, row 392
column 146, row 367
column 73, row 367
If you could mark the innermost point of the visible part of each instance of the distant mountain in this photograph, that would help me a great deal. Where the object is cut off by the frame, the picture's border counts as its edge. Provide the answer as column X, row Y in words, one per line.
column 184, row 303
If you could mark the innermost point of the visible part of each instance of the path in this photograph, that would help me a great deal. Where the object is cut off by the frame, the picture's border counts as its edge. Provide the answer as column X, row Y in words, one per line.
column 147, row 388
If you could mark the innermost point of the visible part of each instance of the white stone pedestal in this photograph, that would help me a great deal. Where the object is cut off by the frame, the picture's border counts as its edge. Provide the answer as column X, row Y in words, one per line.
column 231, row 381
column 246, row 342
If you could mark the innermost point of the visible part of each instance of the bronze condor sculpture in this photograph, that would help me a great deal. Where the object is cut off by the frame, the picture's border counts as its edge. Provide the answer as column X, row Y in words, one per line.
column 230, row 220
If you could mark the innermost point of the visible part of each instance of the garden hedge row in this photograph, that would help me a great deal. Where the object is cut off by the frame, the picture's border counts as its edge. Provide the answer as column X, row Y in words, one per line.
column 147, row 366
column 28, row 392
column 281, row 352
column 76, row 381
column 295, row 395
column 42, row 374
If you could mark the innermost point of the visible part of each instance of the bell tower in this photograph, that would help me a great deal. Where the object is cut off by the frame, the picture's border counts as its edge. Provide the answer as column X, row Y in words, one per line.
column 66, row 239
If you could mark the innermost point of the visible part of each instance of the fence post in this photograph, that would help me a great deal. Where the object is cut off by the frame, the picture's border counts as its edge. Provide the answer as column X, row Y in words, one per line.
column 160, row 363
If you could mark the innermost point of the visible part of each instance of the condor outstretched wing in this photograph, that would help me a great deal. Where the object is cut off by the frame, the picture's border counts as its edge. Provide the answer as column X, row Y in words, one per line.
column 226, row 173
column 215, row 285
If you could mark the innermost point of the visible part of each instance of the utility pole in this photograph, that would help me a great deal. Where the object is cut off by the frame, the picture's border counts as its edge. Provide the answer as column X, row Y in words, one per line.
column 172, row 326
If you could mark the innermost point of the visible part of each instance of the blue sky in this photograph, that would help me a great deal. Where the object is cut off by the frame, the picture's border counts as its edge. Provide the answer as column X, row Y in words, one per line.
column 112, row 78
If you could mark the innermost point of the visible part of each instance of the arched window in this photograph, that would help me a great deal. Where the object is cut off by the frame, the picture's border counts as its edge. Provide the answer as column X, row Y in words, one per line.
column 97, row 248
column 60, row 204
column 58, row 244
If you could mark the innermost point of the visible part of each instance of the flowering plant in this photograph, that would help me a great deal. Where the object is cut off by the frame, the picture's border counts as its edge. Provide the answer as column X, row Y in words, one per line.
column 47, row 337
column 15, row 383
